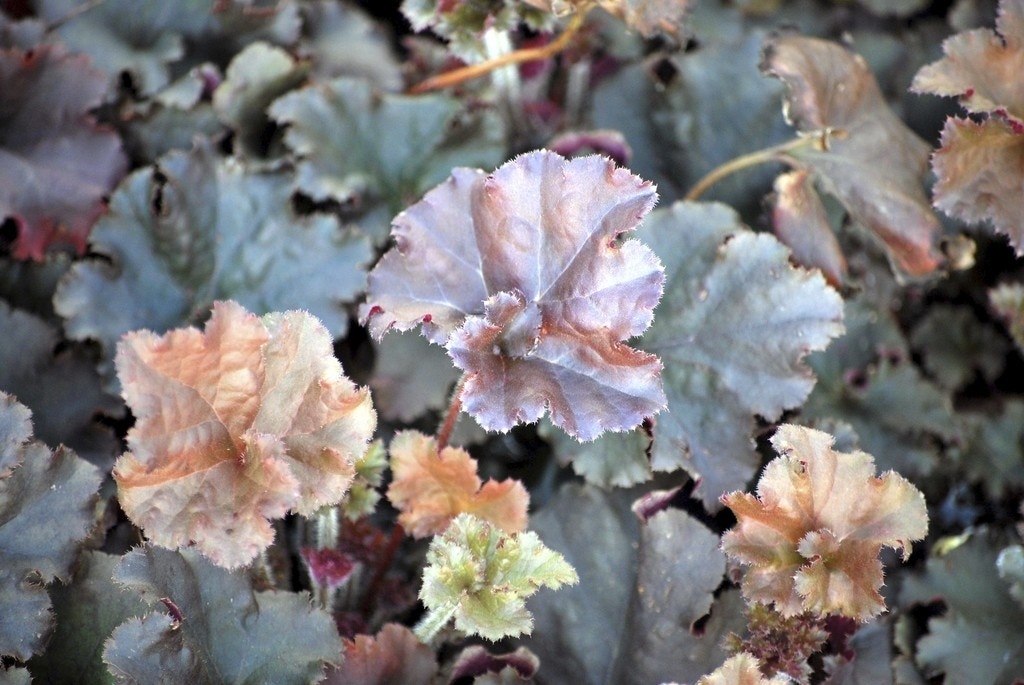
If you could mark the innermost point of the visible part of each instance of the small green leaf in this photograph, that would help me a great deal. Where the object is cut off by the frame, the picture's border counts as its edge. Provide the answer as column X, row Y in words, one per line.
column 217, row 629
column 480, row 576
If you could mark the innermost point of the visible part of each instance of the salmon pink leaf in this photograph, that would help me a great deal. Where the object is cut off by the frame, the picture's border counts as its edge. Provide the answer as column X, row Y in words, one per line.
column 430, row 487
column 56, row 163
column 866, row 157
column 742, row 669
column 236, row 426
column 394, row 656
column 813, row 533
column 537, row 322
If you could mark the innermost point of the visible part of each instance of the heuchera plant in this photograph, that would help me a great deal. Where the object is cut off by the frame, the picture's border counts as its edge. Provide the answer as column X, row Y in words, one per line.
column 728, row 290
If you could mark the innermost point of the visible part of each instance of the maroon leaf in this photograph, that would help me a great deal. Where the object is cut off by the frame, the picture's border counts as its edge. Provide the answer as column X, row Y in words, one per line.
column 522, row 275
column 56, row 164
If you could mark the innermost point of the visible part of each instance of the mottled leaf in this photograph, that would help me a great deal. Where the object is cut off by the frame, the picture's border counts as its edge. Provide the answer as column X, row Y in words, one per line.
column 537, row 323
column 234, row 426
column 362, row 147
column 733, row 328
column 430, row 487
column 56, row 163
column 219, row 629
column 865, row 156
column 391, row 657
column 46, row 511
column 480, row 576
column 977, row 639
column 800, row 221
column 195, row 229
column 813, row 533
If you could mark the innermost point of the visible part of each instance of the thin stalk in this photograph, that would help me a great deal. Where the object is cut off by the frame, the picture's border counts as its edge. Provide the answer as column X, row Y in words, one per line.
column 769, row 154
column 472, row 71
column 326, row 527
column 444, row 431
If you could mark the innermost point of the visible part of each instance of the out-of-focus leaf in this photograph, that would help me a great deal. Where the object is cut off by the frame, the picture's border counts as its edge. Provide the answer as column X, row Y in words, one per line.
column 575, row 635
column 234, row 426
column 895, row 8
column 255, row 78
column 56, row 164
column 216, row 629
column 46, row 511
column 813, row 533
column 866, row 157
column 411, row 377
column 462, row 24
column 1010, row 565
column 29, row 286
column 612, row 460
column 340, row 40
column 513, row 668
column 362, row 147
column 430, row 487
column 978, row 639
column 195, row 229
column 955, row 344
column 537, row 322
column 14, row 675
column 651, row 16
column 742, row 669
column 481, row 576
column 59, row 385
column 873, row 657
column 992, row 452
column 87, row 611
column 1007, row 300
column 800, row 221
column 732, row 331
column 391, row 657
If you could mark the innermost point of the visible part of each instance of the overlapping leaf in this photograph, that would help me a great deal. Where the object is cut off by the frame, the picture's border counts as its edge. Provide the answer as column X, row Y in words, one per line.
column 956, row 345
column 216, row 628
column 536, row 322
column 978, row 162
column 411, row 376
column 866, row 157
column 742, row 669
column 732, row 330
column 56, row 163
column 236, row 425
column 801, row 222
column 391, row 657
column 37, row 488
column 650, row 16
column 365, row 148
column 341, row 40
column 813, row 533
column 430, row 487
column 195, row 229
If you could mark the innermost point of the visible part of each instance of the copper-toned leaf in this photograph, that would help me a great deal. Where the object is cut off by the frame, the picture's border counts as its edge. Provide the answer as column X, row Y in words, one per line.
column 813, row 533
column 867, row 157
column 431, row 487
column 801, row 223
column 391, row 657
column 742, row 669
column 650, row 16
column 236, row 426
column 523, row 274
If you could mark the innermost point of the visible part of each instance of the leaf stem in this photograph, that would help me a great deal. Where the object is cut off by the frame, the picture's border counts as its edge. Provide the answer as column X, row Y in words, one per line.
column 444, row 431
column 768, row 154
column 472, row 71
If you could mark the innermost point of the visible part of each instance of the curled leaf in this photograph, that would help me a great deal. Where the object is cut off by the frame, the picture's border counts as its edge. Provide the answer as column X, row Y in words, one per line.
column 523, row 274
column 430, row 487
column 391, row 657
column 236, row 425
column 742, row 669
column 813, row 533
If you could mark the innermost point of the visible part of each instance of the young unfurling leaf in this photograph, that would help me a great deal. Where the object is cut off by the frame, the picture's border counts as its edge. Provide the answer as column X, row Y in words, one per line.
column 742, row 669
column 522, row 274
column 481, row 576
column 236, row 425
column 431, row 487
column 813, row 533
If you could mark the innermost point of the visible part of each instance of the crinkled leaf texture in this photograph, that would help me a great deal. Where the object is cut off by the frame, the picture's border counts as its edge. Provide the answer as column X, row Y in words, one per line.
column 522, row 274
column 196, row 228
column 733, row 328
column 394, row 656
column 481, row 577
column 46, row 511
column 234, row 426
column 866, row 157
column 56, row 164
column 813, row 533
column 217, row 629
column 430, row 487
column 463, row 23
column 979, row 160
column 742, row 669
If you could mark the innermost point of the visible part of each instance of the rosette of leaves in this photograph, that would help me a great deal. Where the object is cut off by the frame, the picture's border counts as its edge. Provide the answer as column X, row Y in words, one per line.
column 813, row 533
column 980, row 155
column 524, row 278
column 235, row 426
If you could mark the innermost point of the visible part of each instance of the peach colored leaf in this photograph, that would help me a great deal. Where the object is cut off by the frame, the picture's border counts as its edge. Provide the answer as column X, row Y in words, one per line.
column 870, row 161
column 234, row 426
column 523, row 274
column 391, row 657
column 742, row 669
column 813, row 533
column 650, row 17
column 431, row 488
